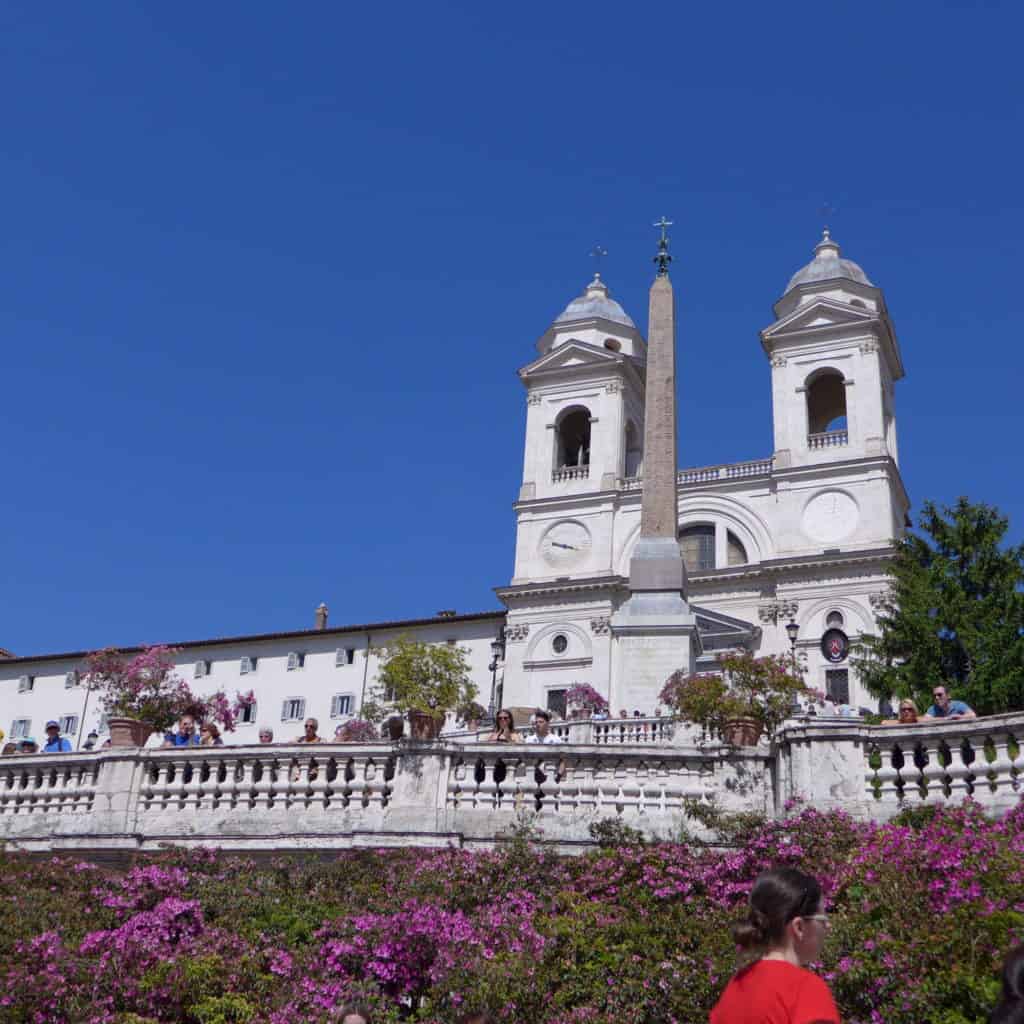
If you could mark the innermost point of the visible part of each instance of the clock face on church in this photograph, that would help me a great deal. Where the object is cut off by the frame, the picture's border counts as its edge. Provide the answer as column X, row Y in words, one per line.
column 565, row 543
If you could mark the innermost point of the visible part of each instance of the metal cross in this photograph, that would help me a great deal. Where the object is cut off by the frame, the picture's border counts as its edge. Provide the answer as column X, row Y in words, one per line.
column 663, row 259
column 598, row 252
column 663, row 224
column 827, row 211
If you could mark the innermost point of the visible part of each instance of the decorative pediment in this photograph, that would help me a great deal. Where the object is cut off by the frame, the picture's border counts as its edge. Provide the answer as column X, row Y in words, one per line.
column 573, row 354
column 821, row 313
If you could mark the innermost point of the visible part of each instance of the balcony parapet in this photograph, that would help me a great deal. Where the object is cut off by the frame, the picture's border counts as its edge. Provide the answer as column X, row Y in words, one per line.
column 711, row 474
column 468, row 793
column 570, row 473
column 828, row 439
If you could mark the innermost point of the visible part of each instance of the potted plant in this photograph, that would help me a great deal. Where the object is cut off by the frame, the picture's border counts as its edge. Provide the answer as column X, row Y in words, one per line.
column 141, row 695
column 751, row 698
column 420, row 681
column 583, row 700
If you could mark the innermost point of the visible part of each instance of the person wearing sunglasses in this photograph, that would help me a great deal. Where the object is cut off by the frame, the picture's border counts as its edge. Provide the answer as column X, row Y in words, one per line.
column 785, row 929
column 907, row 714
column 946, row 708
column 504, row 729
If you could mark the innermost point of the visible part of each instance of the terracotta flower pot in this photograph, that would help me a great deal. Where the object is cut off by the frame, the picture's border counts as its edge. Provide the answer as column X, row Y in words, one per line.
column 423, row 726
column 128, row 732
column 742, row 731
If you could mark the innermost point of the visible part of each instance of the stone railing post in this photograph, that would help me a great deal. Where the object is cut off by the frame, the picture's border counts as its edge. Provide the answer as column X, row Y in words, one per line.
column 116, row 803
column 418, row 789
column 821, row 763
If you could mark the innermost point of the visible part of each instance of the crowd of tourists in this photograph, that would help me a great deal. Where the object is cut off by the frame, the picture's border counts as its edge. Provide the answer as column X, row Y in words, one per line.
column 190, row 733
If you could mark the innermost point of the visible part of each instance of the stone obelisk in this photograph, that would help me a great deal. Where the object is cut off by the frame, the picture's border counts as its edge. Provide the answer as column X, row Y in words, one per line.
column 655, row 629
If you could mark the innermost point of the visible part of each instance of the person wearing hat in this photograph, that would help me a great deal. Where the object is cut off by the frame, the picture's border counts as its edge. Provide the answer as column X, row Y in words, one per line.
column 55, row 743
column 91, row 740
column 28, row 746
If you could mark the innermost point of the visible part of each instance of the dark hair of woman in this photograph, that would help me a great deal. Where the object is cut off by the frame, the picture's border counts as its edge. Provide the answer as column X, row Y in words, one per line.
column 1010, row 1008
column 355, row 1010
column 777, row 898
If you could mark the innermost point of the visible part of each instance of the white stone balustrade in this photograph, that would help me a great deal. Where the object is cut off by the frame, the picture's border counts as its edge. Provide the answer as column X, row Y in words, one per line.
column 570, row 473
column 708, row 474
column 828, row 439
column 470, row 793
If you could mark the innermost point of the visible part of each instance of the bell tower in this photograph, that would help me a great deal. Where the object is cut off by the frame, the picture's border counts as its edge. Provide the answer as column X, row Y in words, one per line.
column 835, row 361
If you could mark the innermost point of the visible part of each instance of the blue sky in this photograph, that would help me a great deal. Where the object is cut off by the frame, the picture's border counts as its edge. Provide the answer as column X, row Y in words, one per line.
column 268, row 272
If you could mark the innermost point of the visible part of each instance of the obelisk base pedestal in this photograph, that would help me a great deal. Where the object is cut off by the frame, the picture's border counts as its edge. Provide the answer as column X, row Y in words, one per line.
column 655, row 630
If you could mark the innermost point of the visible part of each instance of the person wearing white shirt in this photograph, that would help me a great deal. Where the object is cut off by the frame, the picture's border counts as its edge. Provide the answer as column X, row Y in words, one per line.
column 542, row 728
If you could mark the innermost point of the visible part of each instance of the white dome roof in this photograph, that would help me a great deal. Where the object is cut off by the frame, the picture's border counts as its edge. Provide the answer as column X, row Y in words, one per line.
column 595, row 302
column 827, row 266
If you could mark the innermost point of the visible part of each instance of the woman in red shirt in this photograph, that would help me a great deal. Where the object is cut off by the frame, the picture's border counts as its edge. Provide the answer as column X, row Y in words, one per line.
column 785, row 929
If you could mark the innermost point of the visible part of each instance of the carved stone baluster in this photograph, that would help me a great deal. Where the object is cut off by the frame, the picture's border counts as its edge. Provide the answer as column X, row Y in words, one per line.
column 960, row 772
column 1002, row 780
column 242, row 795
column 262, row 786
column 147, row 786
column 884, row 783
column 456, row 781
column 933, row 774
column 165, row 779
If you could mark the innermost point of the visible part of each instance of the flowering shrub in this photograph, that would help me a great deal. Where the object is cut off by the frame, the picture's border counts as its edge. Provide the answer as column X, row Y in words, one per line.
column 760, row 688
column 358, row 730
column 145, row 687
column 632, row 933
column 584, row 695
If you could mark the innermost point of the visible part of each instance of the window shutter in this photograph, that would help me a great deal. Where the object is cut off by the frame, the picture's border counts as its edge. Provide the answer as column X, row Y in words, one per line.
column 201, row 669
column 284, row 711
column 339, row 657
column 293, row 661
column 24, row 684
column 71, row 679
column 245, row 667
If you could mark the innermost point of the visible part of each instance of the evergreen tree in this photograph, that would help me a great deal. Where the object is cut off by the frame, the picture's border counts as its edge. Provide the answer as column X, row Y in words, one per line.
column 954, row 613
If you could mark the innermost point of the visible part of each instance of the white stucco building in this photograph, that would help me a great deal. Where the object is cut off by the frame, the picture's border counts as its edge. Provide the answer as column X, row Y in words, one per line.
column 802, row 531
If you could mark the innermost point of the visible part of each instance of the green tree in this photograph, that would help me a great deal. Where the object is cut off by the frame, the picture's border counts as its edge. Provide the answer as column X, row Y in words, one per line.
column 954, row 613
column 416, row 676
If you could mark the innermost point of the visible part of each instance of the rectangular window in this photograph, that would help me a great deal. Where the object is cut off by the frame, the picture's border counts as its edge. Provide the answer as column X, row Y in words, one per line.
column 26, row 684
column 293, row 709
column 202, row 669
column 20, row 728
column 350, row 655
column 71, row 680
column 344, row 656
column 295, row 660
column 556, row 702
column 246, row 665
column 341, row 704
column 248, row 715
column 69, row 725
column 837, row 685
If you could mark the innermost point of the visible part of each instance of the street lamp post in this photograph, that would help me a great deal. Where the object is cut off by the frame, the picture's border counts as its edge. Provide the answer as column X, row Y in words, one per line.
column 792, row 631
column 497, row 654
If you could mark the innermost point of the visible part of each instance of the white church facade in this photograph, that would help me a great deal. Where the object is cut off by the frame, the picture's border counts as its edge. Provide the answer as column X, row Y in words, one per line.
column 799, row 535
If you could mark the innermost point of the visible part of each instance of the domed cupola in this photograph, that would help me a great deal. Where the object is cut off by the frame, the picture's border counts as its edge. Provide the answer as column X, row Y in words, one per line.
column 594, row 318
column 829, row 275
column 828, row 265
column 595, row 303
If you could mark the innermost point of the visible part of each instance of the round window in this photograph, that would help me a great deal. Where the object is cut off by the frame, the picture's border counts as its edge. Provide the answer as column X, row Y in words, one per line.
column 560, row 643
column 834, row 620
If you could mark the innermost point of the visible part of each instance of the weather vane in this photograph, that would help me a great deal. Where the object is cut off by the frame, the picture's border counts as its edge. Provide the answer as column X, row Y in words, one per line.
column 663, row 259
column 598, row 252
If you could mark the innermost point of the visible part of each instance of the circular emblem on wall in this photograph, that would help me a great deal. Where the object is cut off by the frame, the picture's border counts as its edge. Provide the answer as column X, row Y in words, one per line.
column 830, row 516
column 835, row 645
